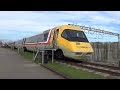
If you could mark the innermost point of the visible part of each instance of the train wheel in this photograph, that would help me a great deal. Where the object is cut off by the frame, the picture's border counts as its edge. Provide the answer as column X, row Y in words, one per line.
column 59, row 54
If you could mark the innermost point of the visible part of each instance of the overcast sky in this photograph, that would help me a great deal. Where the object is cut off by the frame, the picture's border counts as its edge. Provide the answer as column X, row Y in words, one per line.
column 18, row 24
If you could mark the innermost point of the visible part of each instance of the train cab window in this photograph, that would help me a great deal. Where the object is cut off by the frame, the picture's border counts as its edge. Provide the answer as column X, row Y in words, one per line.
column 64, row 35
column 78, row 34
column 74, row 35
column 46, row 36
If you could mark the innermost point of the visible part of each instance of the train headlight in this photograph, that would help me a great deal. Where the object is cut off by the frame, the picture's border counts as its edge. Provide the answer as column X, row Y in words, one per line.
column 78, row 53
column 89, row 53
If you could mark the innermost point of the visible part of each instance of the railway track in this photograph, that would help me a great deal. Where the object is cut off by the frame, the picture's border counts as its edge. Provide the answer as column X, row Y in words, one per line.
column 102, row 65
column 96, row 67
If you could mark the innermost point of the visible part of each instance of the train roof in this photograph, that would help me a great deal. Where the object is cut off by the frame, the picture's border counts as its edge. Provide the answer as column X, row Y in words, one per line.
column 61, row 26
column 39, row 33
column 75, row 27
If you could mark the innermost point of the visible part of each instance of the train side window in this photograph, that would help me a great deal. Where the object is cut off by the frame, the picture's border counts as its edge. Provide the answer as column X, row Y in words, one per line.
column 46, row 36
column 39, row 39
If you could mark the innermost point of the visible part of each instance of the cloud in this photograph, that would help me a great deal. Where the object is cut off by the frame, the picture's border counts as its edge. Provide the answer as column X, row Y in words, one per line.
column 25, row 23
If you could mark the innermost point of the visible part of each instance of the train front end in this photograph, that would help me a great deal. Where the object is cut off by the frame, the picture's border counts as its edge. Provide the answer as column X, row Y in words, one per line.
column 74, row 43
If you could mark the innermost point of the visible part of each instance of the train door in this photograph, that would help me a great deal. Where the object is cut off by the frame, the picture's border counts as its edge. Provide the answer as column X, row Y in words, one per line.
column 55, row 37
column 23, row 43
column 24, row 39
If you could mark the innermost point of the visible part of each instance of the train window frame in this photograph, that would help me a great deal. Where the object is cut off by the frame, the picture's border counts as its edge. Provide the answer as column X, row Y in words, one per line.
column 73, row 40
column 64, row 36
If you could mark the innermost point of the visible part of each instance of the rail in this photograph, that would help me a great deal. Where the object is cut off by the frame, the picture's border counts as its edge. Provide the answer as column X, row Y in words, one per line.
column 101, row 68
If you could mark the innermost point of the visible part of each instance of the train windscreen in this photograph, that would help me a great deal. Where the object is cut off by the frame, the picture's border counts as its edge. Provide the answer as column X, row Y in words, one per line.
column 74, row 35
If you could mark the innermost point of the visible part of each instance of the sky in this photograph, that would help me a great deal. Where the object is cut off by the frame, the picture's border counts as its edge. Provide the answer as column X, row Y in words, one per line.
column 15, row 25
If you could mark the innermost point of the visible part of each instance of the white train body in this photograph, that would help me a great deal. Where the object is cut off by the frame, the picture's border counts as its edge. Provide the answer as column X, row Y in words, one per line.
column 39, row 41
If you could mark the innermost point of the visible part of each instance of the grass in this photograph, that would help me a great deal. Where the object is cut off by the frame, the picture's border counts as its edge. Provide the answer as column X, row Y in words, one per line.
column 28, row 55
column 69, row 71
column 74, row 73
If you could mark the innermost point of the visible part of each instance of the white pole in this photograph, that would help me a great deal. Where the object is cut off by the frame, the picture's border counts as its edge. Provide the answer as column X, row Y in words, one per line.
column 35, row 55
column 52, row 56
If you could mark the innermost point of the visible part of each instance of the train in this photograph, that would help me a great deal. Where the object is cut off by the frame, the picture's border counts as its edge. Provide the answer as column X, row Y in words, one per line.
column 69, row 41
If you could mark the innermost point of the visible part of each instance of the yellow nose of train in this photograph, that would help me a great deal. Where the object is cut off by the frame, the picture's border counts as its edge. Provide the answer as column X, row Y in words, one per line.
column 74, row 42
column 81, row 47
column 79, row 50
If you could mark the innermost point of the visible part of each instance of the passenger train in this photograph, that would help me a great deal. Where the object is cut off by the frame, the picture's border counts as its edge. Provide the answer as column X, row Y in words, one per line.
column 68, row 40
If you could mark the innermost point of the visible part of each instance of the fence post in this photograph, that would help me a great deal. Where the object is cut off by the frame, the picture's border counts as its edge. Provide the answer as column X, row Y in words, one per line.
column 119, row 41
column 119, row 48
